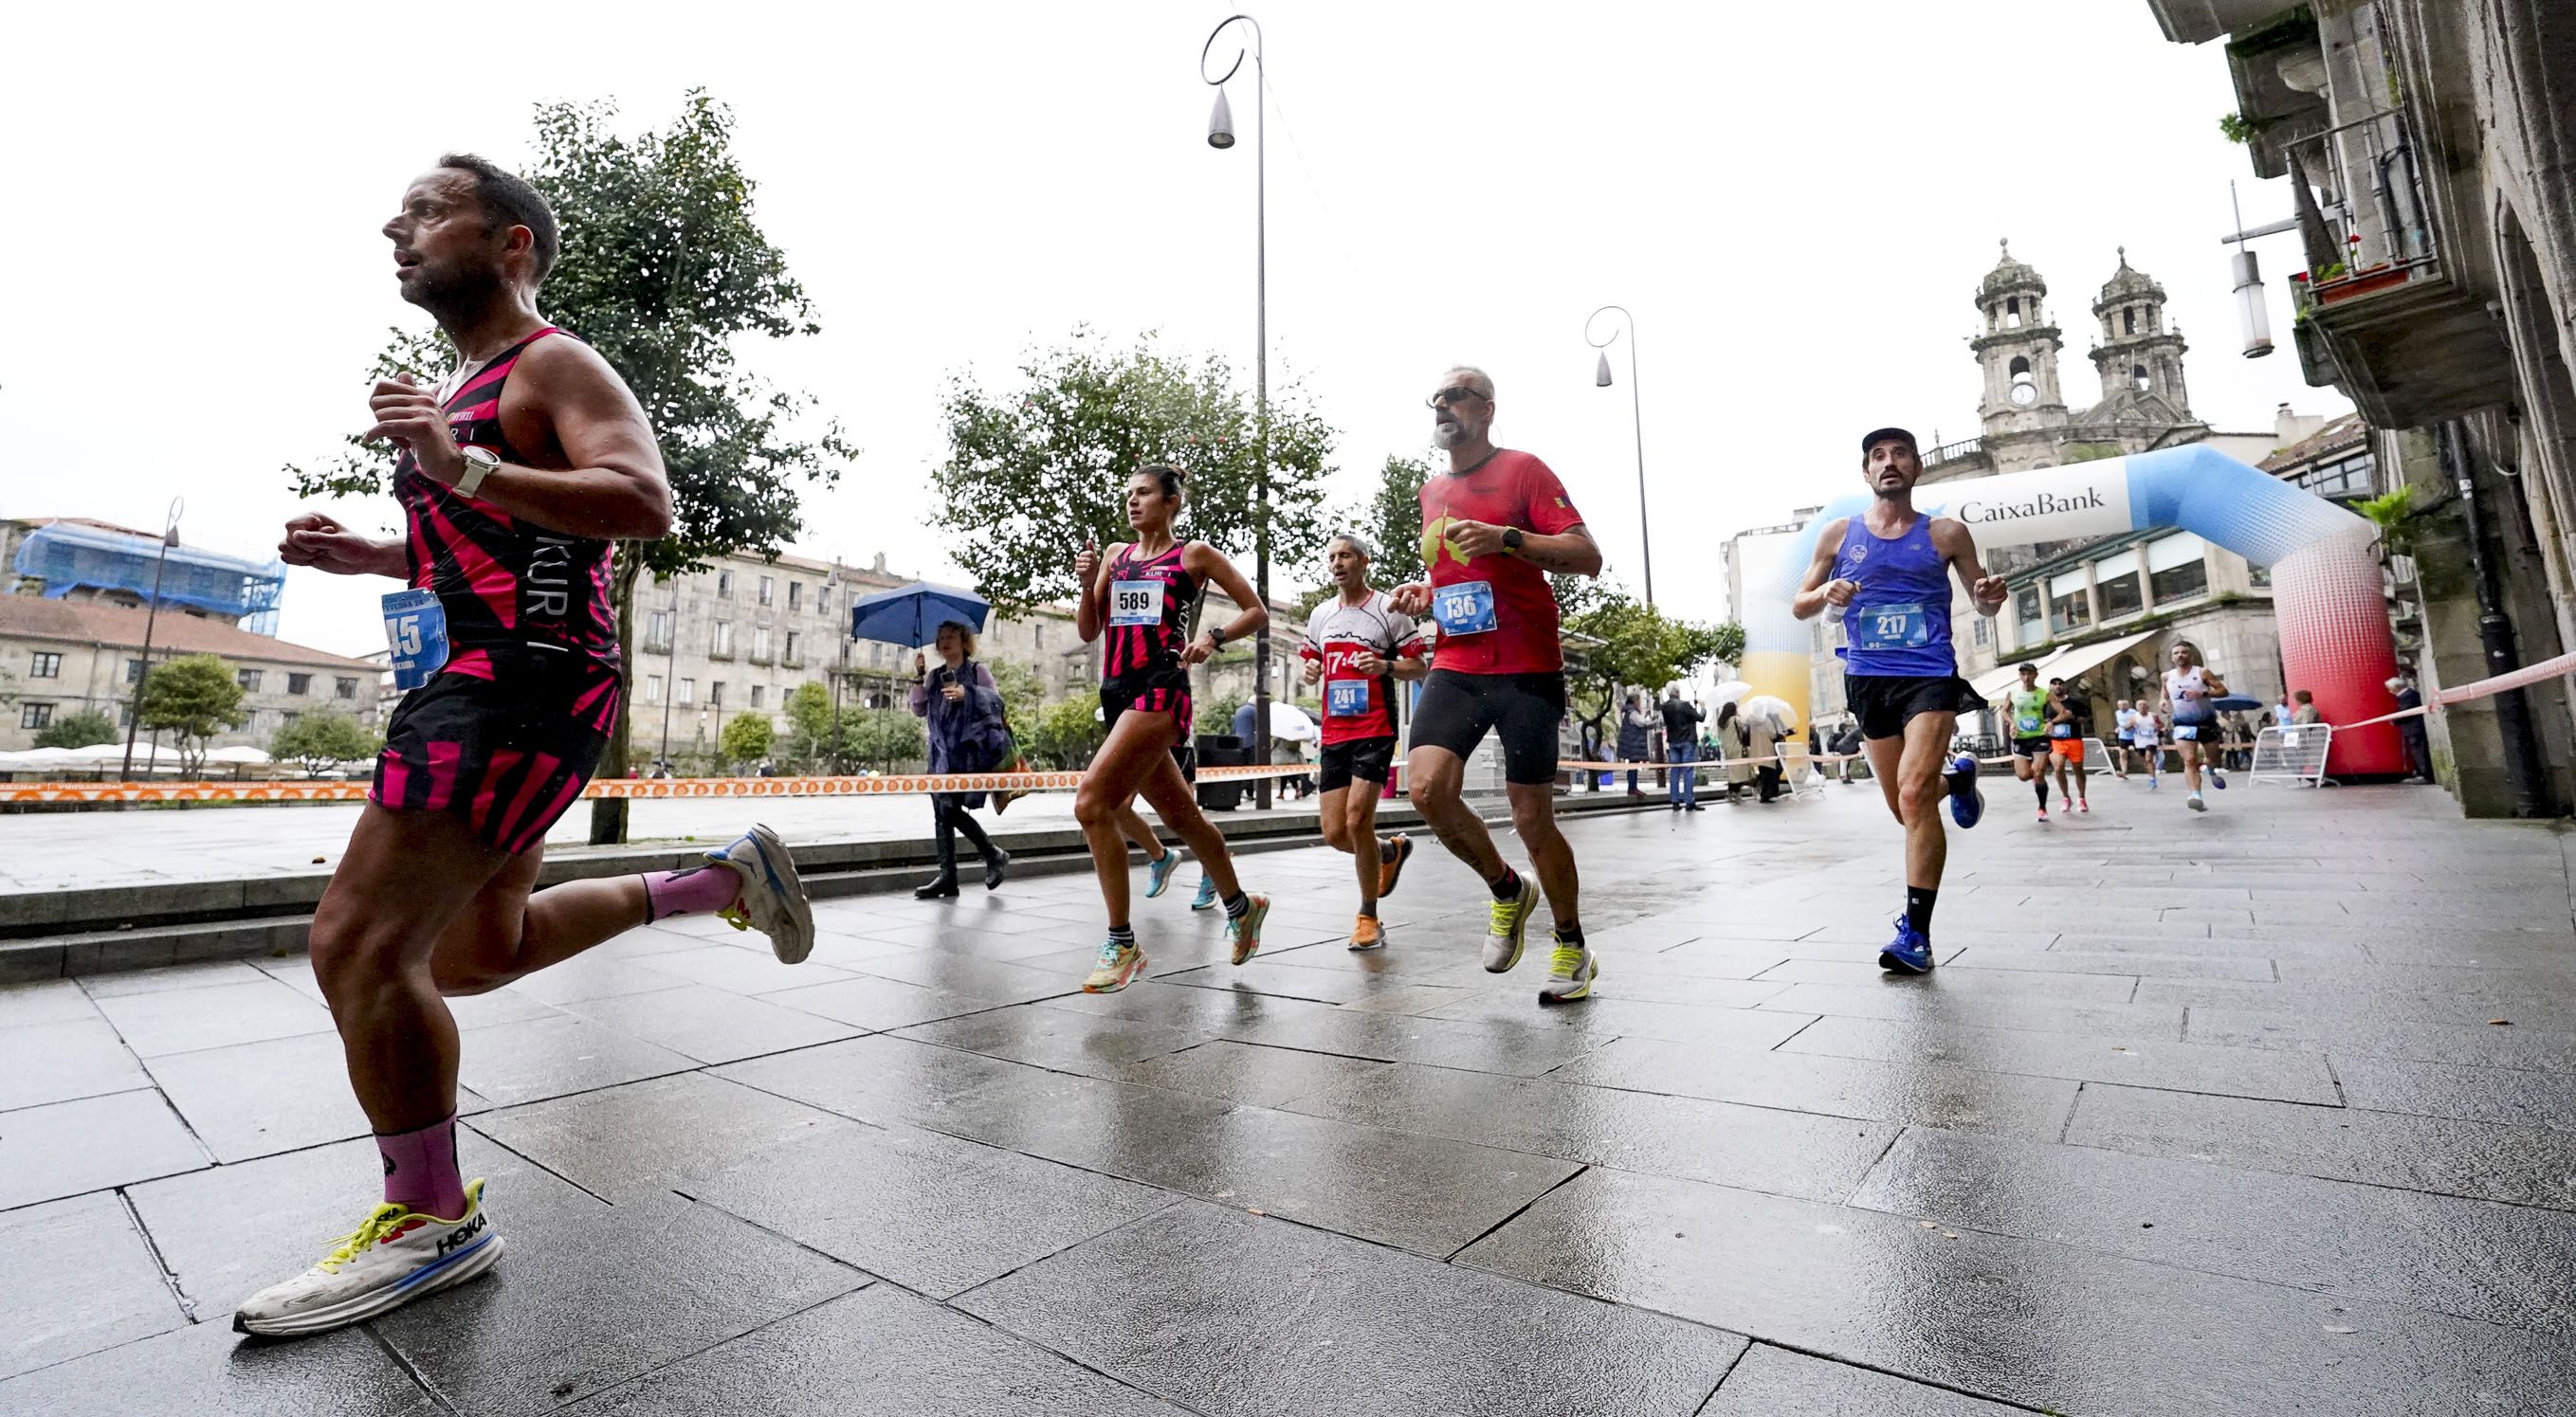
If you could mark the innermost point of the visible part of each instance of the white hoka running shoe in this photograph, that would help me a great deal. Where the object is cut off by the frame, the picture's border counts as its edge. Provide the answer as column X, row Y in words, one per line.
column 1508, row 927
column 396, row 1256
column 773, row 897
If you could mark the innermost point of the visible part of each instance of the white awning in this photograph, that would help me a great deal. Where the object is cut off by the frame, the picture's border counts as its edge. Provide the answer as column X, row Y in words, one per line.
column 2063, row 663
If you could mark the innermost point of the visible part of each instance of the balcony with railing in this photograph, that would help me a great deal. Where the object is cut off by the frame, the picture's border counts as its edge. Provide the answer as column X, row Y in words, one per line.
column 2393, row 323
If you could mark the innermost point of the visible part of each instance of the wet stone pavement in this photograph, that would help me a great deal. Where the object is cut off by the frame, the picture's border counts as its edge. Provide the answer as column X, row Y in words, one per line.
column 2269, row 1110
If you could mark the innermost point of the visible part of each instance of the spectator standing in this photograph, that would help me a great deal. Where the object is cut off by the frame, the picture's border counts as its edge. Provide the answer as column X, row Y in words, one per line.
column 2419, row 743
column 2306, row 713
column 963, row 713
column 1681, row 747
column 1636, row 736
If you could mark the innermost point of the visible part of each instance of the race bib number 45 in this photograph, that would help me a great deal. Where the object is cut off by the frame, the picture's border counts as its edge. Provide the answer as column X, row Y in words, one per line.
column 416, row 636
column 1893, row 627
column 1135, row 602
column 1466, row 608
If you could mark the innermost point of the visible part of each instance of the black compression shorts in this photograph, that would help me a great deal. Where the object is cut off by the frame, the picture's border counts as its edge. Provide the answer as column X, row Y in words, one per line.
column 1885, row 703
column 1457, row 710
column 1367, row 759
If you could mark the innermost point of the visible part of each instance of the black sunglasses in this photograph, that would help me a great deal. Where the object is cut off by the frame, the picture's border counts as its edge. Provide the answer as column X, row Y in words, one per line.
column 1458, row 393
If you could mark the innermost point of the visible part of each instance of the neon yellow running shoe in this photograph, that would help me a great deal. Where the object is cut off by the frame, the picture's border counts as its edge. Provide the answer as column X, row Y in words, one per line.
column 396, row 1255
column 1570, row 972
column 1510, row 923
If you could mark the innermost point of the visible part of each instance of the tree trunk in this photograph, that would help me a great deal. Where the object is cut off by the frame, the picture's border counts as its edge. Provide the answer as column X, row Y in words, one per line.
column 608, row 814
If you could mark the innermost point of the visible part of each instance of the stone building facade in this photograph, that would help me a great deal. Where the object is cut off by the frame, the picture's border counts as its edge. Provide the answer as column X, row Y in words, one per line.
column 2431, row 152
column 69, row 656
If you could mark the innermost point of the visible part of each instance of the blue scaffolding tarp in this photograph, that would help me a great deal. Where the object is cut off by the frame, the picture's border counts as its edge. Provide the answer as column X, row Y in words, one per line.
column 67, row 556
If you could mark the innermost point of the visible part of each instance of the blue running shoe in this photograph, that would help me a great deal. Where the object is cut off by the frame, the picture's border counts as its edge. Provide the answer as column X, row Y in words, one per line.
column 1967, row 800
column 1158, row 874
column 1207, row 895
column 2217, row 779
column 1910, row 954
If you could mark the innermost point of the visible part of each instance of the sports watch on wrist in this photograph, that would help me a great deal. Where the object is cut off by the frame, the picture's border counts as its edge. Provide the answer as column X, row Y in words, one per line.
column 1216, row 635
column 479, row 463
column 1511, row 538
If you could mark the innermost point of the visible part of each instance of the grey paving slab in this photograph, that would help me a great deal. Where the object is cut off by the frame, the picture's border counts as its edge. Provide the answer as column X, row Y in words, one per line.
column 593, row 977
column 883, row 1079
column 964, row 974
column 55, row 1062
column 1521, row 1050
column 48, row 1001
column 2516, row 1097
column 2504, row 1264
column 708, row 1024
column 1196, row 1304
column 867, row 1002
column 2505, row 1045
column 1609, row 1015
column 641, row 1137
column 1773, row 1382
column 520, row 1062
column 1792, row 1153
column 1097, row 1045
column 935, row 1214
column 184, row 1020
column 2024, row 1321
column 177, row 976
column 1992, row 984
column 2140, row 1061
column 879, row 1350
column 80, row 1279
column 1958, row 1002
column 258, row 1098
column 2522, row 1165
column 533, row 1334
column 1930, row 1094
column 207, row 1371
column 739, row 970
column 2115, row 962
column 65, row 1148
column 1248, row 1072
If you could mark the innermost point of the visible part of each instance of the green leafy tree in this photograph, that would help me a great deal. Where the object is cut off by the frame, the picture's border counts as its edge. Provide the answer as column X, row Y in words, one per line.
column 1216, row 713
column 809, row 744
column 84, row 729
column 1034, row 471
column 191, row 698
column 665, row 272
column 883, row 738
column 1638, row 648
column 322, row 739
column 1064, row 734
column 746, row 738
column 1394, row 521
column 1022, row 691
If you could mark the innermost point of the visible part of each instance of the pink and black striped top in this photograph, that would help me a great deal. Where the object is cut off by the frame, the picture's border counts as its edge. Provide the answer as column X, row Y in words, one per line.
column 501, row 580
column 1162, row 588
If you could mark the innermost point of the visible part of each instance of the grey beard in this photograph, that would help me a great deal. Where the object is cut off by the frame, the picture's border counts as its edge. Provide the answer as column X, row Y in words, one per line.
column 1445, row 436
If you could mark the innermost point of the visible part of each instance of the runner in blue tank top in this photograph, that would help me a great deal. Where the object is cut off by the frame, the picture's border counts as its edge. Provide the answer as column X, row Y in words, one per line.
column 1888, row 570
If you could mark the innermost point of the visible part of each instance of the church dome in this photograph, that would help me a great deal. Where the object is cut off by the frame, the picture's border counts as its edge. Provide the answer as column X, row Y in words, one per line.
column 2127, row 284
column 2010, row 274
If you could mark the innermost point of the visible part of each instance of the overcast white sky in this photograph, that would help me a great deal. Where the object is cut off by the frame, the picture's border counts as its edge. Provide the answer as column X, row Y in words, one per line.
column 1796, row 201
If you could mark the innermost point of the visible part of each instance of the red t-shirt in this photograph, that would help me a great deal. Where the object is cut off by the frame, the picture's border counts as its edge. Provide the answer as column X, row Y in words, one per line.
column 1357, row 707
column 1511, row 489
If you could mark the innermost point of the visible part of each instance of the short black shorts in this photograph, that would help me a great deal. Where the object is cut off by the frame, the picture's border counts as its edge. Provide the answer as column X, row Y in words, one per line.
column 506, row 736
column 1885, row 703
column 1367, row 759
column 2030, row 747
column 1457, row 710
column 1165, row 694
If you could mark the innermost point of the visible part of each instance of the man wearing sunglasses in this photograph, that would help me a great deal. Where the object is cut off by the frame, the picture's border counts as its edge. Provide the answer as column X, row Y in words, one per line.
column 1493, row 527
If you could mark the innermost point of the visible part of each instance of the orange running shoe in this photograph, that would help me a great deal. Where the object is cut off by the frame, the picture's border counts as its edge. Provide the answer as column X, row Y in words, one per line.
column 1392, row 868
column 1367, row 934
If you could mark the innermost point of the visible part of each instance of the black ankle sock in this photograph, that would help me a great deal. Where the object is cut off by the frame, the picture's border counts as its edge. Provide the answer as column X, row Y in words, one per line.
column 1507, row 886
column 1123, row 934
column 1369, row 910
column 1236, row 904
column 1569, row 934
column 1918, row 908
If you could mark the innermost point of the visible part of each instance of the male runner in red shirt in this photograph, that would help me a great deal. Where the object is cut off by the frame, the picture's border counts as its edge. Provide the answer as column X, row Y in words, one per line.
column 515, row 479
column 1493, row 526
column 1357, row 646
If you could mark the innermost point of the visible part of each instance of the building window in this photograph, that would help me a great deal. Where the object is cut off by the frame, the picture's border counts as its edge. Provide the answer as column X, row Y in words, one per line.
column 652, row 688
column 756, row 692
column 2012, row 312
column 2120, row 596
column 134, row 671
column 760, row 644
column 1038, row 636
column 2026, row 603
column 1982, row 630
column 721, row 646
column 286, row 717
column 299, row 683
column 874, row 650
column 2181, row 582
column 2138, row 378
column 45, row 666
column 2129, row 320
column 248, row 679
column 2258, row 575
column 2025, row 386
column 35, row 715
column 823, row 601
column 724, row 585
column 791, row 635
column 715, row 694
column 795, row 595
column 2069, row 612
column 688, row 691
column 2344, row 477
column 768, row 587
column 344, row 688
column 657, row 629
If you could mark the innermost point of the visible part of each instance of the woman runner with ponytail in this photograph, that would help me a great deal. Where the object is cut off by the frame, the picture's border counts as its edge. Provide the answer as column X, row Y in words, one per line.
column 1141, row 597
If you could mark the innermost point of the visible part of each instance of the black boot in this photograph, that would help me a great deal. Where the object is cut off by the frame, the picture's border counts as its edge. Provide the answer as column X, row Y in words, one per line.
column 938, row 887
column 995, row 867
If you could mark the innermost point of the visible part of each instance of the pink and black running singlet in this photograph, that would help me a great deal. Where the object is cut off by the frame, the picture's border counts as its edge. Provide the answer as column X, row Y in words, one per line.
column 1148, row 614
column 509, row 730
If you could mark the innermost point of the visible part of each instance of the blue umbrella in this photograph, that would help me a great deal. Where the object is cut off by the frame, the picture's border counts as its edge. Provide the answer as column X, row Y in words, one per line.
column 911, row 615
column 2236, row 703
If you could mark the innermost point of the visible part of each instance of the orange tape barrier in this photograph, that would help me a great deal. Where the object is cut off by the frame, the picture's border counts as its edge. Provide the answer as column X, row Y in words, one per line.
column 619, row 787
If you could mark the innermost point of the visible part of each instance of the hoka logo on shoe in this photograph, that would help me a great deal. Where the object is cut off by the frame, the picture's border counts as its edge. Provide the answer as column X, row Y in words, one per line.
column 462, row 1233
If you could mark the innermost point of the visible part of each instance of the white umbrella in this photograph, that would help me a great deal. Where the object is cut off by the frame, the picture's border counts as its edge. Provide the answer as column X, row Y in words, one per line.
column 1783, row 718
column 1729, row 692
column 1289, row 724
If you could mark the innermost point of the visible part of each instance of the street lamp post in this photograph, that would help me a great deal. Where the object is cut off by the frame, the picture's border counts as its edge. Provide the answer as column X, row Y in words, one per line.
column 1637, row 410
column 151, row 617
column 670, row 675
column 1221, row 136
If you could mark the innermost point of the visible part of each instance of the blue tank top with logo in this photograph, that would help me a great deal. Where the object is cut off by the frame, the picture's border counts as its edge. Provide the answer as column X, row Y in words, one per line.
column 1899, row 623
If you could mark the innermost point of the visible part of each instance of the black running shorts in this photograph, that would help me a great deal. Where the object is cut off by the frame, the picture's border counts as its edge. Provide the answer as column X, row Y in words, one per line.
column 2030, row 747
column 1457, row 710
column 506, row 736
column 1367, row 759
column 1885, row 703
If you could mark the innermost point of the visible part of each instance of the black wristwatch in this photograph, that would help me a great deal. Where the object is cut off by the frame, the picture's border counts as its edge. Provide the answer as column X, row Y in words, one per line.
column 1511, row 538
column 1216, row 635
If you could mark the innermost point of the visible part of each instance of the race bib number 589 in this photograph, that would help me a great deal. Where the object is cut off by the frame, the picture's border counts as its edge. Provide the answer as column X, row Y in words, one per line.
column 1135, row 602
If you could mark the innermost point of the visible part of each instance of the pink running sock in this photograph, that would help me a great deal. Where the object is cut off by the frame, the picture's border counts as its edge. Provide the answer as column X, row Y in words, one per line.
column 699, row 890
column 420, row 1170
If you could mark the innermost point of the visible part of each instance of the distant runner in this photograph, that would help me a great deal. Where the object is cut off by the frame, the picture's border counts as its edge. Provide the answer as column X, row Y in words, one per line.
column 2025, row 710
column 2066, row 745
column 1888, row 570
column 2189, row 686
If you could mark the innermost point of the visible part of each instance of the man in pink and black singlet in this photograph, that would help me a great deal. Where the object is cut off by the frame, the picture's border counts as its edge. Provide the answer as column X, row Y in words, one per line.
column 515, row 478
column 1493, row 527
